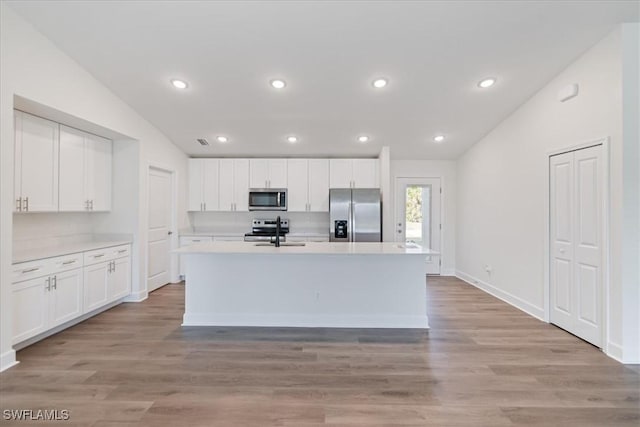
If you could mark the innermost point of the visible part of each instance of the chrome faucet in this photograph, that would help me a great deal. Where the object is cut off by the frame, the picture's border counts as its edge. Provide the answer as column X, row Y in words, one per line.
column 278, row 231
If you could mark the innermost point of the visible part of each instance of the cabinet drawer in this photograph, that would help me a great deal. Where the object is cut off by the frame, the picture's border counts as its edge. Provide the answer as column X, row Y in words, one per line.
column 67, row 262
column 98, row 255
column 32, row 269
column 120, row 251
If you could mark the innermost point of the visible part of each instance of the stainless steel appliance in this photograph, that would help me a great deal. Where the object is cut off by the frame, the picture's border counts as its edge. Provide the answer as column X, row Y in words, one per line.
column 355, row 215
column 267, row 199
column 264, row 230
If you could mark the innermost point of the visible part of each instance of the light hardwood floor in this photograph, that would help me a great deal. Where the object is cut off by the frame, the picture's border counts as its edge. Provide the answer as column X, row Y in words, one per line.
column 482, row 363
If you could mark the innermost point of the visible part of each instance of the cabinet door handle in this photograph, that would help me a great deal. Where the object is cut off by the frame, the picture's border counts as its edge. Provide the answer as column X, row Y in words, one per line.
column 69, row 262
column 26, row 204
column 98, row 256
column 205, row 206
column 124, row 250
column 91, row 204
column 48, row 281
column 19, row 204
column 29, row 270
column 55, row 282
column 113, row 269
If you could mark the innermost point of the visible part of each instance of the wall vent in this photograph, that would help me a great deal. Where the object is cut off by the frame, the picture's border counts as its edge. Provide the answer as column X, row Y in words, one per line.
column 203, row 141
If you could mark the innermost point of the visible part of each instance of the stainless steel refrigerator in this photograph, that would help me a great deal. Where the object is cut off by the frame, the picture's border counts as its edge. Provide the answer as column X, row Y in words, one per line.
column 355, row 215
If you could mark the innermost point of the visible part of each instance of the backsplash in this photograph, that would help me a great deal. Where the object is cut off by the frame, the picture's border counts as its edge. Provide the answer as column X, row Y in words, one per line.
column 240, row 222
column 41, row 230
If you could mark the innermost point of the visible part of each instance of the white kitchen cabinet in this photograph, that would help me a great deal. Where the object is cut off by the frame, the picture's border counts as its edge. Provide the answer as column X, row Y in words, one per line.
column 36, row 163
column 204, row 178
column 96, row 286
column 65, row 297
column 29, row 308
column 354, row 173
column 119, row 284
column 234, row 185
column 268, row 173
column 85, row 171
column 308, row 185
column 107, row 276
column 47, row 301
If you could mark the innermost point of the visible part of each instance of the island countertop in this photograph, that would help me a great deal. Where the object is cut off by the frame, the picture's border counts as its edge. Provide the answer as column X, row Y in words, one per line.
column 310, row 248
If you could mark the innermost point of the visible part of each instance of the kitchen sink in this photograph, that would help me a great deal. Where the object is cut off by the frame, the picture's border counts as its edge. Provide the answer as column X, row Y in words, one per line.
column 281, row 244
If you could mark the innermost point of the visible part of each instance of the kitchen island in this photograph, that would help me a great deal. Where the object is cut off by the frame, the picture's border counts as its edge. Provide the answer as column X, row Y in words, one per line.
column 349, row 285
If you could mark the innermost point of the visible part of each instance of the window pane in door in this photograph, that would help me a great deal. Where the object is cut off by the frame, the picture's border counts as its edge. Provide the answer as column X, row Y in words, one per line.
column 418, row 215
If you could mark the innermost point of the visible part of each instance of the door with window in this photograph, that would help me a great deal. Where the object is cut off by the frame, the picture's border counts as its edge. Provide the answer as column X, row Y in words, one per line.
column 418, row 216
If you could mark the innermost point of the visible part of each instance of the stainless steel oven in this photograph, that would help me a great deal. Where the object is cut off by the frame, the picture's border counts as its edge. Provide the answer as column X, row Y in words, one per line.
column 268, row 199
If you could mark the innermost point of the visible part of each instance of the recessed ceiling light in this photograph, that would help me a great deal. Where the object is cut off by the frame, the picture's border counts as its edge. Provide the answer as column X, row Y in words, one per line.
column 438, row 138
column 488, row 82
column 363, row 138
column 180, row 84
column 222, row 139
column 380, row 83
column 278, row 84
column 292, row 139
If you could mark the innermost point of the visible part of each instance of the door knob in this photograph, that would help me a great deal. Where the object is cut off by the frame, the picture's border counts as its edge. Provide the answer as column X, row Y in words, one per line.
column 169, row 233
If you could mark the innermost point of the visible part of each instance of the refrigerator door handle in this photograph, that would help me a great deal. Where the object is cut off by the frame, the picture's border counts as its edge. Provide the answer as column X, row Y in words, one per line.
column 352, row 222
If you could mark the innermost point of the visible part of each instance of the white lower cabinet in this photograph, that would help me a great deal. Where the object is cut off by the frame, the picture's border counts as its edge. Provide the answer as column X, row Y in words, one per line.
column 46, row 302
column 96, row 282
column 65, row 289
column 65, row 297
column 29, row 308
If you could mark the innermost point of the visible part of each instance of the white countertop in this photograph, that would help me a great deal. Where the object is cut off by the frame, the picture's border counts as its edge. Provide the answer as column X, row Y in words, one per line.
column 64, row 249
column 310, row 248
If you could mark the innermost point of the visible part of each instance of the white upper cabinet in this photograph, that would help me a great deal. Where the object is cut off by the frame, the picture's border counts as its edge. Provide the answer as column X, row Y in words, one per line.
column 99, row 157
column 341, row 173
column 308, row 185
column 268, row 173
column 234, row 185
column 204, row 176
column 36, row 164
column 354, row 173
column 365, row 173
column 85, row 171
column 298, row 191
column 195, row 185
column 319, row 185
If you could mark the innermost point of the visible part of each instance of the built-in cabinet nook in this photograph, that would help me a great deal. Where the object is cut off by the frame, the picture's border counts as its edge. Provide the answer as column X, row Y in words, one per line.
column 60, row 169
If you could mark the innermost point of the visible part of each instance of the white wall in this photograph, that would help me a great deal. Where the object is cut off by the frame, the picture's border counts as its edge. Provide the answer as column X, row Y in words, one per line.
column 446, row 170
column 35, row 69
column 501, row 193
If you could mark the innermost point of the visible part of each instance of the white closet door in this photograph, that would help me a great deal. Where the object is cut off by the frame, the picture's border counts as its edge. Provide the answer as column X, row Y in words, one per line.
column 576, row 207
column 561, row 240
column 588, row 244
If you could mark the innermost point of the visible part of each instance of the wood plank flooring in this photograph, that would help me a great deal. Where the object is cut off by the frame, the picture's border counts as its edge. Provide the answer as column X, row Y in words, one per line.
column 482, row 363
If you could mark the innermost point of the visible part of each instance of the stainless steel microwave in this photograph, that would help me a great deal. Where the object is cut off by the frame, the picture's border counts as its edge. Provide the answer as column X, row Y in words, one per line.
column 267, row 199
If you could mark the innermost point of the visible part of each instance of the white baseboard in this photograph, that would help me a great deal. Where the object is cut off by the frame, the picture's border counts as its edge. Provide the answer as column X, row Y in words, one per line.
column 510, row 299
column 302, row 321
column 137, row 296
column 8, row 359
column 614, row 351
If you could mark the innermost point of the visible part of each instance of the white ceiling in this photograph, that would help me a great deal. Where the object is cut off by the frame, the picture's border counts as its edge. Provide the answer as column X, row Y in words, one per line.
column 433, row 53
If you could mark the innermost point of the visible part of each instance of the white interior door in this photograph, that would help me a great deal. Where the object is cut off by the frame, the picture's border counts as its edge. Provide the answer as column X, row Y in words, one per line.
column 159, row 231
column 418, row 215
column 575, row 226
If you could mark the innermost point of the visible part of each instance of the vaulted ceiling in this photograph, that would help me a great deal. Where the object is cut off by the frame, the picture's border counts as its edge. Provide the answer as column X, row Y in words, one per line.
column 328, row 53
